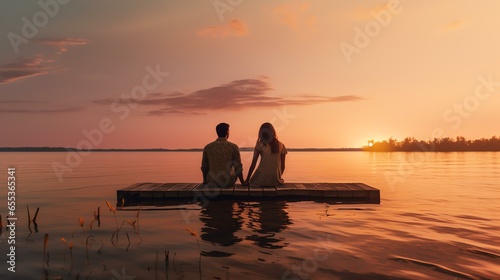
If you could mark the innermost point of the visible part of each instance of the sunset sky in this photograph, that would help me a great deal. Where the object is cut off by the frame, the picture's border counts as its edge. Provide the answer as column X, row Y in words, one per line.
column 162, row 74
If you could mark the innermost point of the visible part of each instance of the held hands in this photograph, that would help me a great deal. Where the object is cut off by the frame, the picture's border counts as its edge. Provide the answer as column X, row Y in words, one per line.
column 244, row 183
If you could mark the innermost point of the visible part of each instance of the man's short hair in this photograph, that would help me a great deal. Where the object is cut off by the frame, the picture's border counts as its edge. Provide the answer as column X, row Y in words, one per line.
column 222, row 129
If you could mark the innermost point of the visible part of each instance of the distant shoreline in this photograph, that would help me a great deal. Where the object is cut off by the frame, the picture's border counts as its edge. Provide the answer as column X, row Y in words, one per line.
column 243, row 149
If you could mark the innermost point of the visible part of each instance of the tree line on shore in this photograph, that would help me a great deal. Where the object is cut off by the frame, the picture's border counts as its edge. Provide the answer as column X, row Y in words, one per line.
column 446, row 144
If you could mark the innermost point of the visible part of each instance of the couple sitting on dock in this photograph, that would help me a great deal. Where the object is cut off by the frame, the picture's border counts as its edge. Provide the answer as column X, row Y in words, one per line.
column 221, row 162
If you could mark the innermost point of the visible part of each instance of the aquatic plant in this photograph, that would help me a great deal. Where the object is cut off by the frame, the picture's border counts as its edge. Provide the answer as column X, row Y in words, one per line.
column 87, row 246
column 193, row 233
column 97, row 216
column 45, row 254
column 35, row 225
column 113, row 209
column 29, row 219
column 82, row 221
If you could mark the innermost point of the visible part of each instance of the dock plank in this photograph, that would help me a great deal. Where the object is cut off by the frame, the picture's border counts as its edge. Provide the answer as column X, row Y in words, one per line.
column 285, row 190
column 314, row 189
column 342, row 190
column 180, row 190
column 290, row 189
column 269, row 191
column 357, row 191
column 228, row 191
column 163, row 190
column 255, row 191
column 241, row 191
column 134, row 186
column 156, row 193
column 328, row 191
column 365, row 186
column 146, row 191
column 206, row 189
column 186, row 190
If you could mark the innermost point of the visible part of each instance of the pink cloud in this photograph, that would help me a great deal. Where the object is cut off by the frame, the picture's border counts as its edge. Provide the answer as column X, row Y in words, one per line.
column 63, row 44
column 23, row 68
column 34, row 107
column 40, row 111
column 234, row 28
column 235, row 95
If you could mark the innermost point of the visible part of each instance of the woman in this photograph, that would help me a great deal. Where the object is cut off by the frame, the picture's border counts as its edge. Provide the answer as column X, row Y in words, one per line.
column 272, row 162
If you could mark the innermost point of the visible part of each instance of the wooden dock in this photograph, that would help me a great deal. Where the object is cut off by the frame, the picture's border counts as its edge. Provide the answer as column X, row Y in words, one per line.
column 182, row 193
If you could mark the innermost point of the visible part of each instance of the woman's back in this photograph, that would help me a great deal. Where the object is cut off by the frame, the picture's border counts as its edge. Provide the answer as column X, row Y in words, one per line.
column 270, row 167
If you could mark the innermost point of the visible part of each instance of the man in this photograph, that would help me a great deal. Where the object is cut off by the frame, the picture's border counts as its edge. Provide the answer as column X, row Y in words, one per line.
column 221, row 162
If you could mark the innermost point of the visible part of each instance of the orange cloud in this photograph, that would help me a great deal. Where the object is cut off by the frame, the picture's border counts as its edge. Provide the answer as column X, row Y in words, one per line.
column 294, row 15
column 63, row 44
column 234, row 28
column 455, row 24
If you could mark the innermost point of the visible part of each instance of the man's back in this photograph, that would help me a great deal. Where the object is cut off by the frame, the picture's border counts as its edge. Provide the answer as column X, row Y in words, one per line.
column 221, row 162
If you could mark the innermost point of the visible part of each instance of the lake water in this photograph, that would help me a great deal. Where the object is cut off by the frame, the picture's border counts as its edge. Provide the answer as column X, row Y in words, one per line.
column 439, row 218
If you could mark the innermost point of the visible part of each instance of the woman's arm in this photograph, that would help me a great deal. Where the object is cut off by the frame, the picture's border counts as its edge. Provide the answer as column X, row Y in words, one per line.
column 254, row 162
column 283, row 156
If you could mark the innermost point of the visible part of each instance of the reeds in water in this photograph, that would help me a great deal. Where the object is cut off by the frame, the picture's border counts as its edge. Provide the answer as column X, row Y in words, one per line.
column 193, row 233
column 45, row 253
column 30, row 220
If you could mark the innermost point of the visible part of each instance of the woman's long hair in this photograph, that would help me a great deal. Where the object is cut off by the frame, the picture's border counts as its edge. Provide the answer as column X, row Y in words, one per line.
column 267, row 135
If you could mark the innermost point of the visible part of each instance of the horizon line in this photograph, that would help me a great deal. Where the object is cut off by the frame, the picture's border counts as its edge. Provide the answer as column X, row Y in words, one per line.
column 55, row 149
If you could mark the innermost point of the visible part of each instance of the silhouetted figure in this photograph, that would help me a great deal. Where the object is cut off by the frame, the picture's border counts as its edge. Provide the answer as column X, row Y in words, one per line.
column 221, row 161
column 222, row 220
column 267, row 222
column 272, row 163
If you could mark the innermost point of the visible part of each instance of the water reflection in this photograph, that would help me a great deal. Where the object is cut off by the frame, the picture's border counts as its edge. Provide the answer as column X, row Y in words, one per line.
column 266, row 219
column 222, row 220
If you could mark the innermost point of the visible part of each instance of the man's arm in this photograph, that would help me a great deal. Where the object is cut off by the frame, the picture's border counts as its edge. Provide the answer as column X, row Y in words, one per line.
column 238, row 167
column 204, row 166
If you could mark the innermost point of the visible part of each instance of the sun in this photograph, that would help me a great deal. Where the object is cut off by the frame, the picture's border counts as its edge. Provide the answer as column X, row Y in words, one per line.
column 370, row 144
